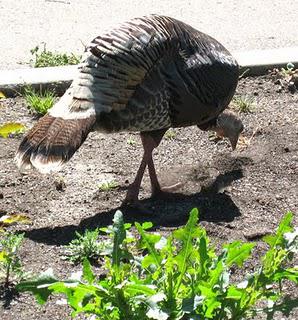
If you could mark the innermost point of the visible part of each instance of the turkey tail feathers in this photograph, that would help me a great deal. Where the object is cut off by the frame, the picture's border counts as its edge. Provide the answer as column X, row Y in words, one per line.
column 52, row 142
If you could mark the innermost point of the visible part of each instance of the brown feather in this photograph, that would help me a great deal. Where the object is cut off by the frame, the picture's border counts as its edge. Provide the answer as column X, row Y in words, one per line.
column 52, row 142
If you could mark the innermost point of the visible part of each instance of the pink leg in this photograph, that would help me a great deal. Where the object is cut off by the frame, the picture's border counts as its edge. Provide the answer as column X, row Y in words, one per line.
column 153, row 140
column 132, row 195
column 150, row 140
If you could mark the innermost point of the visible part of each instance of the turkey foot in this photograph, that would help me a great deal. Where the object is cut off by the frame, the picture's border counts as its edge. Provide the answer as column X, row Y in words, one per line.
column 157, row 190
column 166, row 192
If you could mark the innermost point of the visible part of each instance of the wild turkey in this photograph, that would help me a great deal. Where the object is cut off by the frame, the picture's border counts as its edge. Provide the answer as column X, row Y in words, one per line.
column 147, row 75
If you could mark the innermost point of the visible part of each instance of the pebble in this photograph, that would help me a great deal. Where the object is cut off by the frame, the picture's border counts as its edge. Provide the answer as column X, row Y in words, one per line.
column 292, row 88
column 286, row 149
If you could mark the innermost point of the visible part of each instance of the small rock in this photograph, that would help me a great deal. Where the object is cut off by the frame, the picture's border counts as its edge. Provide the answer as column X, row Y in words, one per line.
column 60, row 185
column 291, row 86
column 1, row 196
column 254, row 235
column 286, row 149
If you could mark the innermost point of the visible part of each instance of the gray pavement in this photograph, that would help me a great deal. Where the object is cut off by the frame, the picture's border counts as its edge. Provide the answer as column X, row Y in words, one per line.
column 65, row 25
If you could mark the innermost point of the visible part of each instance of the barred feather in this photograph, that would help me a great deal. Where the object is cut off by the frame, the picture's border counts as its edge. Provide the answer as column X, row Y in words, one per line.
column 147, row 74
column 52, row 142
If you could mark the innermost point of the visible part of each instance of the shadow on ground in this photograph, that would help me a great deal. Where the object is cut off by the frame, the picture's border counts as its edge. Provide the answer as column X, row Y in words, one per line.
column 7, row 295
column 214, row 205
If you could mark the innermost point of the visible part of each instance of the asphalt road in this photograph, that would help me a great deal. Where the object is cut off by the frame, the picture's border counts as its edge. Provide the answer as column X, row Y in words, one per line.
column 65, row 25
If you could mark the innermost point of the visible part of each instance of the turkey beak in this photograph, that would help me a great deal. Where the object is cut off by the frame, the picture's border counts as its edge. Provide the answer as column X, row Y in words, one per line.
column 233, row 140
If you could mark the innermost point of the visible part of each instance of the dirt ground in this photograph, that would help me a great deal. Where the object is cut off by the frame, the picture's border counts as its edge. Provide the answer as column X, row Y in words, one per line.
column 240, row 195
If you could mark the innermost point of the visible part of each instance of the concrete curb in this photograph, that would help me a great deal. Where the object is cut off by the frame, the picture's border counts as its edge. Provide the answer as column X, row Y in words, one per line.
column 255, row 62
column 258, row 62
column 13, row 82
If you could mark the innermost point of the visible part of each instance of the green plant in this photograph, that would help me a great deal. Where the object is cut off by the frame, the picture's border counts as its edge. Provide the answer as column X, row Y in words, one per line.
column 10, row 264
column 170, row 134
column 288, row 70
column 11, row 128
column 85, row 246
column 39, row 102
column 131, row 141
column 108, row 185
column 243, row 104
column 148, row 276
column 46, row 58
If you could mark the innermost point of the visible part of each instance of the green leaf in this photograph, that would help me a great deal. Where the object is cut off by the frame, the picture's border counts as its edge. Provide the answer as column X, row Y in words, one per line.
column 148, row 241
column 147, row 225
column 284, row 227
column 215, row 274
column 38, row 286
column 234, row 293
column 238, row 252
column 205, row 259
column 11, row 127
column 78, row 294
column 209, row 300
column 87, row 271
column 137, row 289
column 290, row 274
column 186, row 235
column 278, row 243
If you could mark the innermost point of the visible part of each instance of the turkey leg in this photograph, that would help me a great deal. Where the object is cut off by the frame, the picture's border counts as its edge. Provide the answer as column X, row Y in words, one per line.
column 154, row 139
column 150, row 141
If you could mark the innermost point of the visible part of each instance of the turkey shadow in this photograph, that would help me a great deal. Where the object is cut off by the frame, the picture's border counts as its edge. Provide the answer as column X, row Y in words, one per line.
column 213, row 205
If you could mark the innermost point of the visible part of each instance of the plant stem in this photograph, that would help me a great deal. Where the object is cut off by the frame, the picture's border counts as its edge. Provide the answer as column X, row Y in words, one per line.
column 7, row 275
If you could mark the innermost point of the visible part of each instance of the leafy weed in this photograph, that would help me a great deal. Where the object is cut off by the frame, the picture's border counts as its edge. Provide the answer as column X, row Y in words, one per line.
column 148, row 276
column 243, row 104
column 39, row 102
column 108, row 185
column 85, row 246
column 46, row 58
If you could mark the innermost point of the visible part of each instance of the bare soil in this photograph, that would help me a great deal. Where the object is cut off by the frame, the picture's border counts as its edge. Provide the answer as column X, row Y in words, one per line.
column 240, row 195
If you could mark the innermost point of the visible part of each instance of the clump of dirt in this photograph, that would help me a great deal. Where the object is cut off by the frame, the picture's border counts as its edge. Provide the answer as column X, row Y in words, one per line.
column 240, row 195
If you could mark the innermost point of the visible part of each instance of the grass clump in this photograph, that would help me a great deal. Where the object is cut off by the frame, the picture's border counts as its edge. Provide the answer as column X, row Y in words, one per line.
column 85, row 246
column 131, row 141
column 149, row 276
column 107, row 185
column 46, row 58
column 243, row 104
column 170, row 134
column 39, row 101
